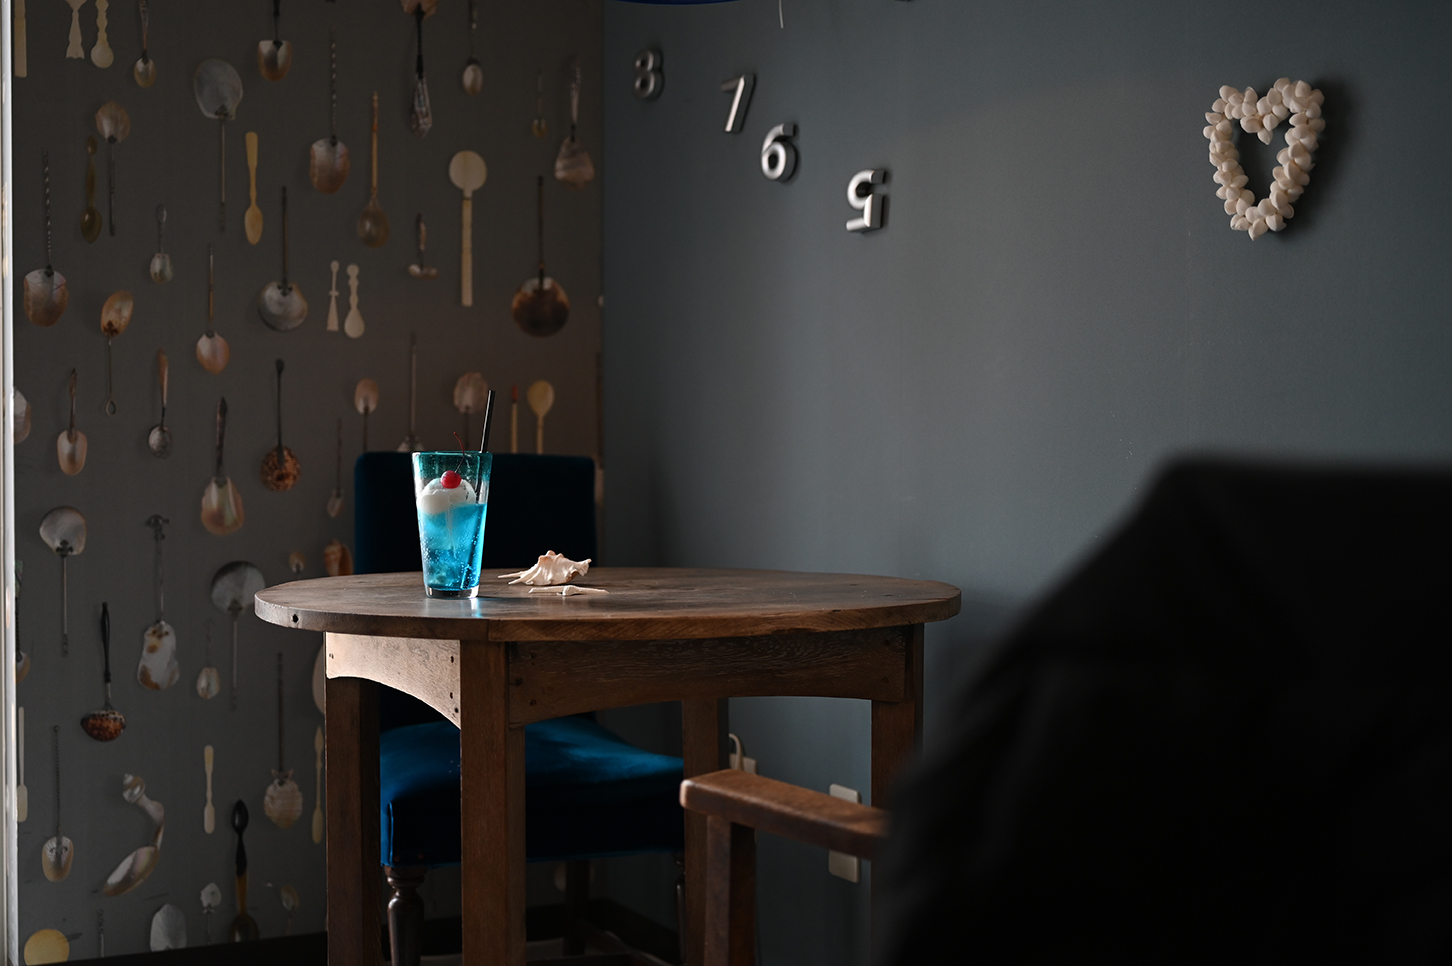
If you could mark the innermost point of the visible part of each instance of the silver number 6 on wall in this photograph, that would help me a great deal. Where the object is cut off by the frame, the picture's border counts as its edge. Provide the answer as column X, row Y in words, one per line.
column 778, row 155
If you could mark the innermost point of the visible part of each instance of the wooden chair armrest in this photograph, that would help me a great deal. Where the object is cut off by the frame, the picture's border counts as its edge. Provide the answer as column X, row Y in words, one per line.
column 787, row 810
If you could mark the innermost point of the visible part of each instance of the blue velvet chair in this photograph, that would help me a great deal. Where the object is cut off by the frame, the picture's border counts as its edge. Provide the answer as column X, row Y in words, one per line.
column 588, row 794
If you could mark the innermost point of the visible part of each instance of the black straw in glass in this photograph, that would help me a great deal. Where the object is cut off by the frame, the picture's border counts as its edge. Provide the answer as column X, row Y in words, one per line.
column 488, row 418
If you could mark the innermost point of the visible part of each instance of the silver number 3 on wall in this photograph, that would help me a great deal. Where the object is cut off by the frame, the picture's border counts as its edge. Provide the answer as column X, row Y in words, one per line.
column 861, row 197
column 648, row 78
column 778, row 155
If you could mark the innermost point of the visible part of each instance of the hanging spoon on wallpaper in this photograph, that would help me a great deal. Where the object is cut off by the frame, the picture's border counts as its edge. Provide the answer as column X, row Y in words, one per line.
column 281, row 304
column 218, row 90
column 101, row 54
column 71, row 444
column 222, row 511
column 213, row 352
column 233, row 587
column 252, row 220
column 64, row 531
column 209, row 813
column 74, row 50
column 365, row 400
column 158, row 668
column 91, row 218
column 161, row 270
column 541, row 399
column 282, row 802
column 274, row 57
column 115, row 317
column 244, row 927
column 335, row 502
column 421, row 115
column 373, row 223
column 473, row 76
column 113, row 124
column 333, row 298
column 46, row 294
column 137, row 867
column 159, row 439
column 353, row 324
column 280, row 468
column 209, row 681
column 328, row 161
column 410, row 442
column 144, row 71
column 58, row 851
column 105, row 723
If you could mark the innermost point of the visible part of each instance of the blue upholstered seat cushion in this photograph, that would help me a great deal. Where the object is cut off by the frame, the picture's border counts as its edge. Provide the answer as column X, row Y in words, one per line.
column 588, row 794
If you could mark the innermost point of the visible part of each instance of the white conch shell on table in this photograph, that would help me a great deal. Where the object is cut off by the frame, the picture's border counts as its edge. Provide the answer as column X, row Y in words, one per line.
column 551, row 571
column 1260, row 116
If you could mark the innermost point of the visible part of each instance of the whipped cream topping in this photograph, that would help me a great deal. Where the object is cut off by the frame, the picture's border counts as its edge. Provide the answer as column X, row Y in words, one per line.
column 436, row 499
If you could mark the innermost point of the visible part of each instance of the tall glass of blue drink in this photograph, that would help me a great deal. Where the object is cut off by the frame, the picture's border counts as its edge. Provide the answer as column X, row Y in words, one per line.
column 451, row 494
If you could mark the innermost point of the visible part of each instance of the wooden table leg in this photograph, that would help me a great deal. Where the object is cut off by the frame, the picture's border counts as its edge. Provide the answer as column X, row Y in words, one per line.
column 354, row 923
column 492, row 809
column 897, row 726
column 703, row 734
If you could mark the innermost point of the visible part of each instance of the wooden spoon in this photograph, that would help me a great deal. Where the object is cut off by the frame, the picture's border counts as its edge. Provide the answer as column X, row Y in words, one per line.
column 252, row 221
column 541, row 400
column 468, row 172
column 373, row 223
column 101, row 54
column 74, row 50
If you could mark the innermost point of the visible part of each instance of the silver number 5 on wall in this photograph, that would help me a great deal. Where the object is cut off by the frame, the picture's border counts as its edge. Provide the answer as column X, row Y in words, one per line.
column 648, row 77
column 778, row 155
column 861, row 197
column 741, row 87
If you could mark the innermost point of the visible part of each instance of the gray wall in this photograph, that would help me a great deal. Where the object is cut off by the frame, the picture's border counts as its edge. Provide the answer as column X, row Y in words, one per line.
column 1057, row 304
column 171, row 157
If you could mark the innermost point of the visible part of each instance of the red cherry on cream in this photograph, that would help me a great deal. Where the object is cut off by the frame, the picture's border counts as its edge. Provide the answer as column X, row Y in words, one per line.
column 451, row 480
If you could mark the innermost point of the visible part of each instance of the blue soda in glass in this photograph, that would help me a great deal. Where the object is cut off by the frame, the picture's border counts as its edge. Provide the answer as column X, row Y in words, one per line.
column 451, row 498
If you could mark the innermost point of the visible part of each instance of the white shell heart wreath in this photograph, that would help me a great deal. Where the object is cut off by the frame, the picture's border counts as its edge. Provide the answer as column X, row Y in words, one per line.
column 1259, row 116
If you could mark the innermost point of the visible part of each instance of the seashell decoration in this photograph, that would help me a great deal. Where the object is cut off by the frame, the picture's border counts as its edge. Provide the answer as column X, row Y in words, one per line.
column 1299, row 103
column 552, row 574
column 283, row 800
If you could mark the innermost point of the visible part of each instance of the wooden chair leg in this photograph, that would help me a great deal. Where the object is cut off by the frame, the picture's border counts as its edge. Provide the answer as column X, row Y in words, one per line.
column 730, row 894
column 577, row 905
column 682, row 910
column 405, row 913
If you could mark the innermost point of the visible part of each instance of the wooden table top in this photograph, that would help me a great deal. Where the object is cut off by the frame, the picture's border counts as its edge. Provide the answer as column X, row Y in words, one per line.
column 643, row 604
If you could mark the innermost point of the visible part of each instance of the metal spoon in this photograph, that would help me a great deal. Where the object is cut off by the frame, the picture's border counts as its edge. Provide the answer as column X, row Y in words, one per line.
column 159, row 439
column 106, row 723
column 161, row 270
column 213, row 352
column 113, row 124
column 541, row 306
column 421, row 115
column 58, row 851
column 410, row 442
column 221, row 503
column 573, row 167
column 71, row 445
column 158, row 668
column 541, row 400
column 328, row 162
column 419, row 269
column 470, row 392
column 244, row 927
column 91, row 218
column 373, row 223
column 473, row 77
column 365, row 400
column 281, row 304
column 46, row 294
column 252, row 218
column 279, row 467
column 137, row 867
column 145, row 70
column 115, row 317
column 209, row 682
column 274, row 57
column 64, row 531
column 218, row 90
column 282, row 802
column 211, row 901
column 335, row 502
column 233, row 587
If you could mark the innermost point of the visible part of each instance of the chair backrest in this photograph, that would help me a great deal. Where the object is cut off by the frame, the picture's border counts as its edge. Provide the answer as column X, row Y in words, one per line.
column 536, row 503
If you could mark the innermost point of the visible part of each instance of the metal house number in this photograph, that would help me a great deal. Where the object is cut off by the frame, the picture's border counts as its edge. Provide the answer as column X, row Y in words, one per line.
column 648, row 77
column 741, row 88
column 778, row 155
column 861, row 197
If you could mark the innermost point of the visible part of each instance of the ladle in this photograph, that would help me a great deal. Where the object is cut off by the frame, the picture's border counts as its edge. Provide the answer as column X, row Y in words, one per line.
column 470, row 391
column 46, row 294
column 168, row 929
column 539, row 126
column 20, row 421
column 64, row 531
column 209, row 812
column 473, row 77
column 161, row 270
column 158, row 668
column 573, row 167
column 252, row 217
column 541, row 400
column 421, row 115
column 159, row 439
column 353, row 324
column 373, row 223
column 71, row 445
column 335, row 501
column 22, row 794
column 328, row 162
column 105, row 724
column 279, row 467
column 281, row 304
column 145, row 70
column 221, row 503
column 91, row 218
column 101, row 54
column 419, row 269
column 233, row 587
column 115, row 317
column 137, row 867
column 211, row 898
column 468, row 172
column 213, row 352
column 410, row 442
column 541, row 306
column 333, row 298
column 209, row 682
column 318, row 794
column 244, row 927
column 365, row 400
column 274, row 57
column 218, row 91
column 58, row 851
column 282, row 803
column 113, row 124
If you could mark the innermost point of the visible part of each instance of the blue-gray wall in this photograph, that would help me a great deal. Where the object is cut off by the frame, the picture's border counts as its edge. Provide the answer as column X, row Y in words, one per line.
column 979, row 391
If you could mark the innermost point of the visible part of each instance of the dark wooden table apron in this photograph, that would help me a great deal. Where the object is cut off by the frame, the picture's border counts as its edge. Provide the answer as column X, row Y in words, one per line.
column 495, row 664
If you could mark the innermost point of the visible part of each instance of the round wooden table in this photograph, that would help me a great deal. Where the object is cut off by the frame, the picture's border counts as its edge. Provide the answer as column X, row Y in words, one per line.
column 496, row 663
